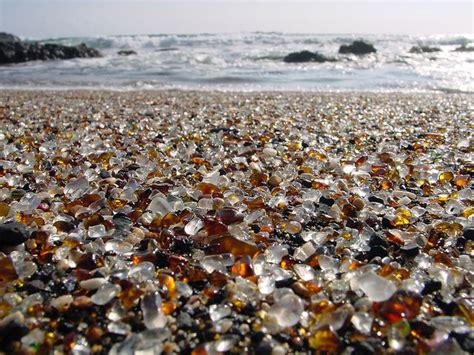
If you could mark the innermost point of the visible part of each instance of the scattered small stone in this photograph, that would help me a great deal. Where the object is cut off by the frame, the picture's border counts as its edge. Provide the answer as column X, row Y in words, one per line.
column 253, row 222
column 12, row 234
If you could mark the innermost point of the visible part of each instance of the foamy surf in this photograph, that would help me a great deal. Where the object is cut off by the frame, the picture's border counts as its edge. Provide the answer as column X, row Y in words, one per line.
column 253, row 61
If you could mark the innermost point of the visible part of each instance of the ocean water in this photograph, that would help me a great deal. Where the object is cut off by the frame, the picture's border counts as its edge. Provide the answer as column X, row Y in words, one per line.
column 253, row 61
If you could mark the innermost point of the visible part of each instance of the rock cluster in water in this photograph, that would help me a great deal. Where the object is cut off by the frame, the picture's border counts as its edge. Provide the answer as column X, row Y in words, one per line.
column 126, row 52
column 13, row 50
column 358, row 48
column 464, row 48
column 204, row 223
column 424, row 49
column 306, row 56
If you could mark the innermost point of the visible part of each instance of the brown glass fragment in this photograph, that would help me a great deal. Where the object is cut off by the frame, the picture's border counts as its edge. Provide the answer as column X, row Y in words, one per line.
column 229, row 216
column 402, row 305
column 7, row 270
column 230, row 244
column 243, row 267
column 207, row 188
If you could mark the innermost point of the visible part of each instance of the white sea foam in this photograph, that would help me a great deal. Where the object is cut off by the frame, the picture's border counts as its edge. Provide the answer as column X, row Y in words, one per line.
column 253, row 61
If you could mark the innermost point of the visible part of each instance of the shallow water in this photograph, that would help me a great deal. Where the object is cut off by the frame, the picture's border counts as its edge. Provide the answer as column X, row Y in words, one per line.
column 253, row 61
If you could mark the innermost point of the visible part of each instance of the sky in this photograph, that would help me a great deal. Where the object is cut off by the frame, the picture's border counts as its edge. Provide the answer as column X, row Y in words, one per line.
column 65, row 18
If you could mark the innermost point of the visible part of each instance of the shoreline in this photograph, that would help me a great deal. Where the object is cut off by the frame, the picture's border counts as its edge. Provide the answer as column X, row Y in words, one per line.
column 240, row 91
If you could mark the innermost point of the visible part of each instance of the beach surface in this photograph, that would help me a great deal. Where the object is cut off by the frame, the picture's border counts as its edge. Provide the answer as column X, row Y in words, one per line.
column 211, row 222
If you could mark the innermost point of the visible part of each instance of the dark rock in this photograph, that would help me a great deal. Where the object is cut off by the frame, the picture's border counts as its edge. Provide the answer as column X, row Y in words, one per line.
column 326, row 200
column 410, row 252
column 126, row 52
column 121, row 221
column 306, row 56
column 464, row 48
column 171, row 49
column 353, row 223
column 225, row 130
column 386, row 223
column 424, row 49
column 306, row 183
column 376, row 250
column 104, row 174
column 447, row 308
column 357, row 47
column 264, row 348
column 363, row 348
column 8, row 37
column 257, row 337
column 12, row 234
column 284, row 283
column 468, row 233
column 460, row 242
column 466, row 341
column 10, row 332
column 184, row 321
column 12, row 50
column 431, row 286
column 376, row 199
column 378, row 240
column 17, row 194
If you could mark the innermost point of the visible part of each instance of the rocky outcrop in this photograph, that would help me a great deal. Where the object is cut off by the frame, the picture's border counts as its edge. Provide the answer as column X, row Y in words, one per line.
column 13, row 50
column 8, row 37
column 424, row 49
column 464, row 48
column 126, row 52
column 306, row 56
column 358, row 48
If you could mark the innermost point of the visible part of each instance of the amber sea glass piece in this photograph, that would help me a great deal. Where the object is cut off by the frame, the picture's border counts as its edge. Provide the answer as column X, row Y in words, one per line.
column 324, row 340
column 7, row 270
column 402, row 305
column 230, row 244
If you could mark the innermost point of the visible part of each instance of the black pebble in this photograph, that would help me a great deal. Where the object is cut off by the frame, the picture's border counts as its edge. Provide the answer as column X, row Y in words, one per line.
column 411, row 252
column 386, row 223
column 13, row 233
column 447, row 308
column 468, row 233
column 466, row 341
column 363, row 348
column 104, row 174
column 264, row 348
column 17, row 194
column 353, row 223
column 326, row 201
column 284, row 283
column 376, row 250
column 377, row 240
column 133, row 166
column 257, row 337
column 10, row 332
column 376, row 199
column 184, row 321
column 460, row 243
column 121, row 220
column 431, row 286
